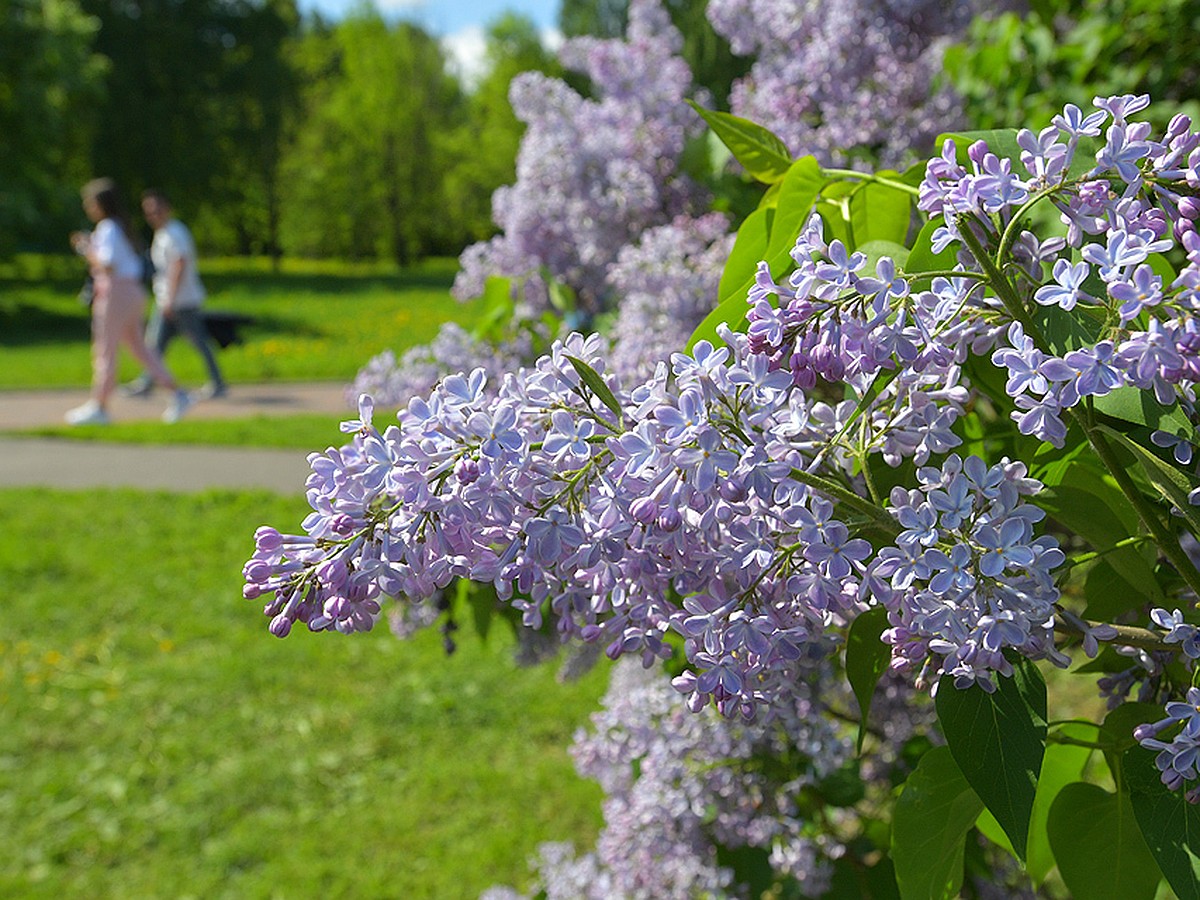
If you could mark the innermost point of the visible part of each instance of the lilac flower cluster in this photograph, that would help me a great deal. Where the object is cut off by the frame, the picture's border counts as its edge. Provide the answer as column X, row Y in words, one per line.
column 847, row 79
column 836, row 323
column 1121, row 214
column 667, row 283
column 966, row 579
column 679, row 785
column 726, row 499
column 392, row 381
column 1177, row 759
column 592, row 173
column 600, row 517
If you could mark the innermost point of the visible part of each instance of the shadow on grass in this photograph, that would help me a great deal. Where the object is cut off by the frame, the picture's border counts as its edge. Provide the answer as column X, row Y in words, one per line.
column 267, row 284
column 24, row 324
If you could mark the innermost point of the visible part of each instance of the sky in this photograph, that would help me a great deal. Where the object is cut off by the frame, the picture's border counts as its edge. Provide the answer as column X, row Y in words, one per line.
column 459, row 23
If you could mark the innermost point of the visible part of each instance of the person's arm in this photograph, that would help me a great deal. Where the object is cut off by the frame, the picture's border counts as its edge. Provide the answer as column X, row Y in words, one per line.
column 96, row 248
column 175, row 270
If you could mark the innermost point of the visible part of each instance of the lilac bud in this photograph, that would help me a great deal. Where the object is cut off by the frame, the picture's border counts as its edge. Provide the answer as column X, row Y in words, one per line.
column 732, row 491
column 280, row 626
column 670, row 519
column 644, row 509
column 466, row 470
column 267, row 539
column 342, row 524
column 1189, row 207
column 257, row 571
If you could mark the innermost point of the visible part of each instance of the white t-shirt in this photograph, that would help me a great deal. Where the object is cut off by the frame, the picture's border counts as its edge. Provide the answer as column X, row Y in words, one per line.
column 173, row 242
column 113, row 250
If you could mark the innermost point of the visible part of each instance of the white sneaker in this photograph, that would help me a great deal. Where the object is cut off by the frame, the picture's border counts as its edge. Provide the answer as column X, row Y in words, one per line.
column 178, row 407
column 91, row 413
column 211, row 391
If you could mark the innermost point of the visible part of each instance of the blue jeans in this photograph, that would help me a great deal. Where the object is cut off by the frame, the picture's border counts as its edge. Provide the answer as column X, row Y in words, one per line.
column 160, row 330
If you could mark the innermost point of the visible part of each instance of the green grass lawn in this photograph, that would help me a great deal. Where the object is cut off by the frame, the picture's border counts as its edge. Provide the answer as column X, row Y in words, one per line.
column 158, row 742
column 312, row 431
column 313, row 320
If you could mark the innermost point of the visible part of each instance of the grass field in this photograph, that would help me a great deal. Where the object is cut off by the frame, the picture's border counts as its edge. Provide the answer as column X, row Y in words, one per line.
column 312, row 320
column 157, row 742
column 312, row 431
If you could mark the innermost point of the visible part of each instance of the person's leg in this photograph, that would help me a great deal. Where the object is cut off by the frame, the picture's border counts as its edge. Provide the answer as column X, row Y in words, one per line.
column 135, row 339
column 105, row 339
column 190, row 323
column 131, row 335
column 159, row 331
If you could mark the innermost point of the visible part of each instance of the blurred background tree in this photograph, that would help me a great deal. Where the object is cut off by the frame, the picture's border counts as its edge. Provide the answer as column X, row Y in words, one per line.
column 51, row 82
column 362, row 175
column 1025, row 65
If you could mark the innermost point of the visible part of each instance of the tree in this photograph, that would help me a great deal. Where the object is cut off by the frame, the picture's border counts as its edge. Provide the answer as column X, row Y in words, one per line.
column 363, row 178
column 50, row 82
column 484, row 146
column 196, row 90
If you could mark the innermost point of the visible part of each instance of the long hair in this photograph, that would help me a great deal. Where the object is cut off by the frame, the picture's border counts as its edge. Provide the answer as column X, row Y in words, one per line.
column 104, row 193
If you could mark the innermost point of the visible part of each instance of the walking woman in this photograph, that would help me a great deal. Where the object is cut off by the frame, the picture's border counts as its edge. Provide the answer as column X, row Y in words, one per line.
column 112, row 252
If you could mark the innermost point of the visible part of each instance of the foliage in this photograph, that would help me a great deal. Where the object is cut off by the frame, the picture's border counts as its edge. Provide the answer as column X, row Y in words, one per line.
column 483, row 147
column 195, row 95
column 49, row 81
column 159, row 748
column 1022, row 66
column 903, row 420
column 364, row 174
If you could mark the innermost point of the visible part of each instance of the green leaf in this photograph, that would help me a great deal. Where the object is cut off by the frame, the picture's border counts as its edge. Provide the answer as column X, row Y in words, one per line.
column 1069, row 330
column 593, row 380
column 498, row 307
column 930, row 822
column 1169, row 824
column 1098, row 846
column 867, row 658
column 1001, row 141
column 1094, row 508
column 998, row 740
column 749, row 247
column 922, row 258
column 879, row 212
column 1108, row 594
column 990, row 829
column 1172, row 484
column 1062, row 764
column 782, row 224
column 797, row 195
column 1130, row 404
column 760, row 152
column 877, row 250
column 852, row 880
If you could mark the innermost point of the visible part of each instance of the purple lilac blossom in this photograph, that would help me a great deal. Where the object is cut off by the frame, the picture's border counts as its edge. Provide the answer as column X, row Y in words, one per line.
column 667, row 283
column 678, row 786
column 848, row 79
column 593, row 174
column 703, row 509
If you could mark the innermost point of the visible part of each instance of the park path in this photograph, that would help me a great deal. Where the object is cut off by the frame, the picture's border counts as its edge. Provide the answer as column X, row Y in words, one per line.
column 66, row 463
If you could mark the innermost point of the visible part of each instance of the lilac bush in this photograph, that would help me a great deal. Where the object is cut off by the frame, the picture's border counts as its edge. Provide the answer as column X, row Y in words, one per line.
column 951, row 459
column 594, row 172
column 848, row 79
column 678, row 786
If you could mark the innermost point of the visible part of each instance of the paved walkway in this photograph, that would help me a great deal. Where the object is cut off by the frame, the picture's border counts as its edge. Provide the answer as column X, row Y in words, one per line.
column 65, row 463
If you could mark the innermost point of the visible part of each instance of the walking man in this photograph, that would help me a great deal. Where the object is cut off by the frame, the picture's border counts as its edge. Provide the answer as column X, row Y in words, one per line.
column 178, row 293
